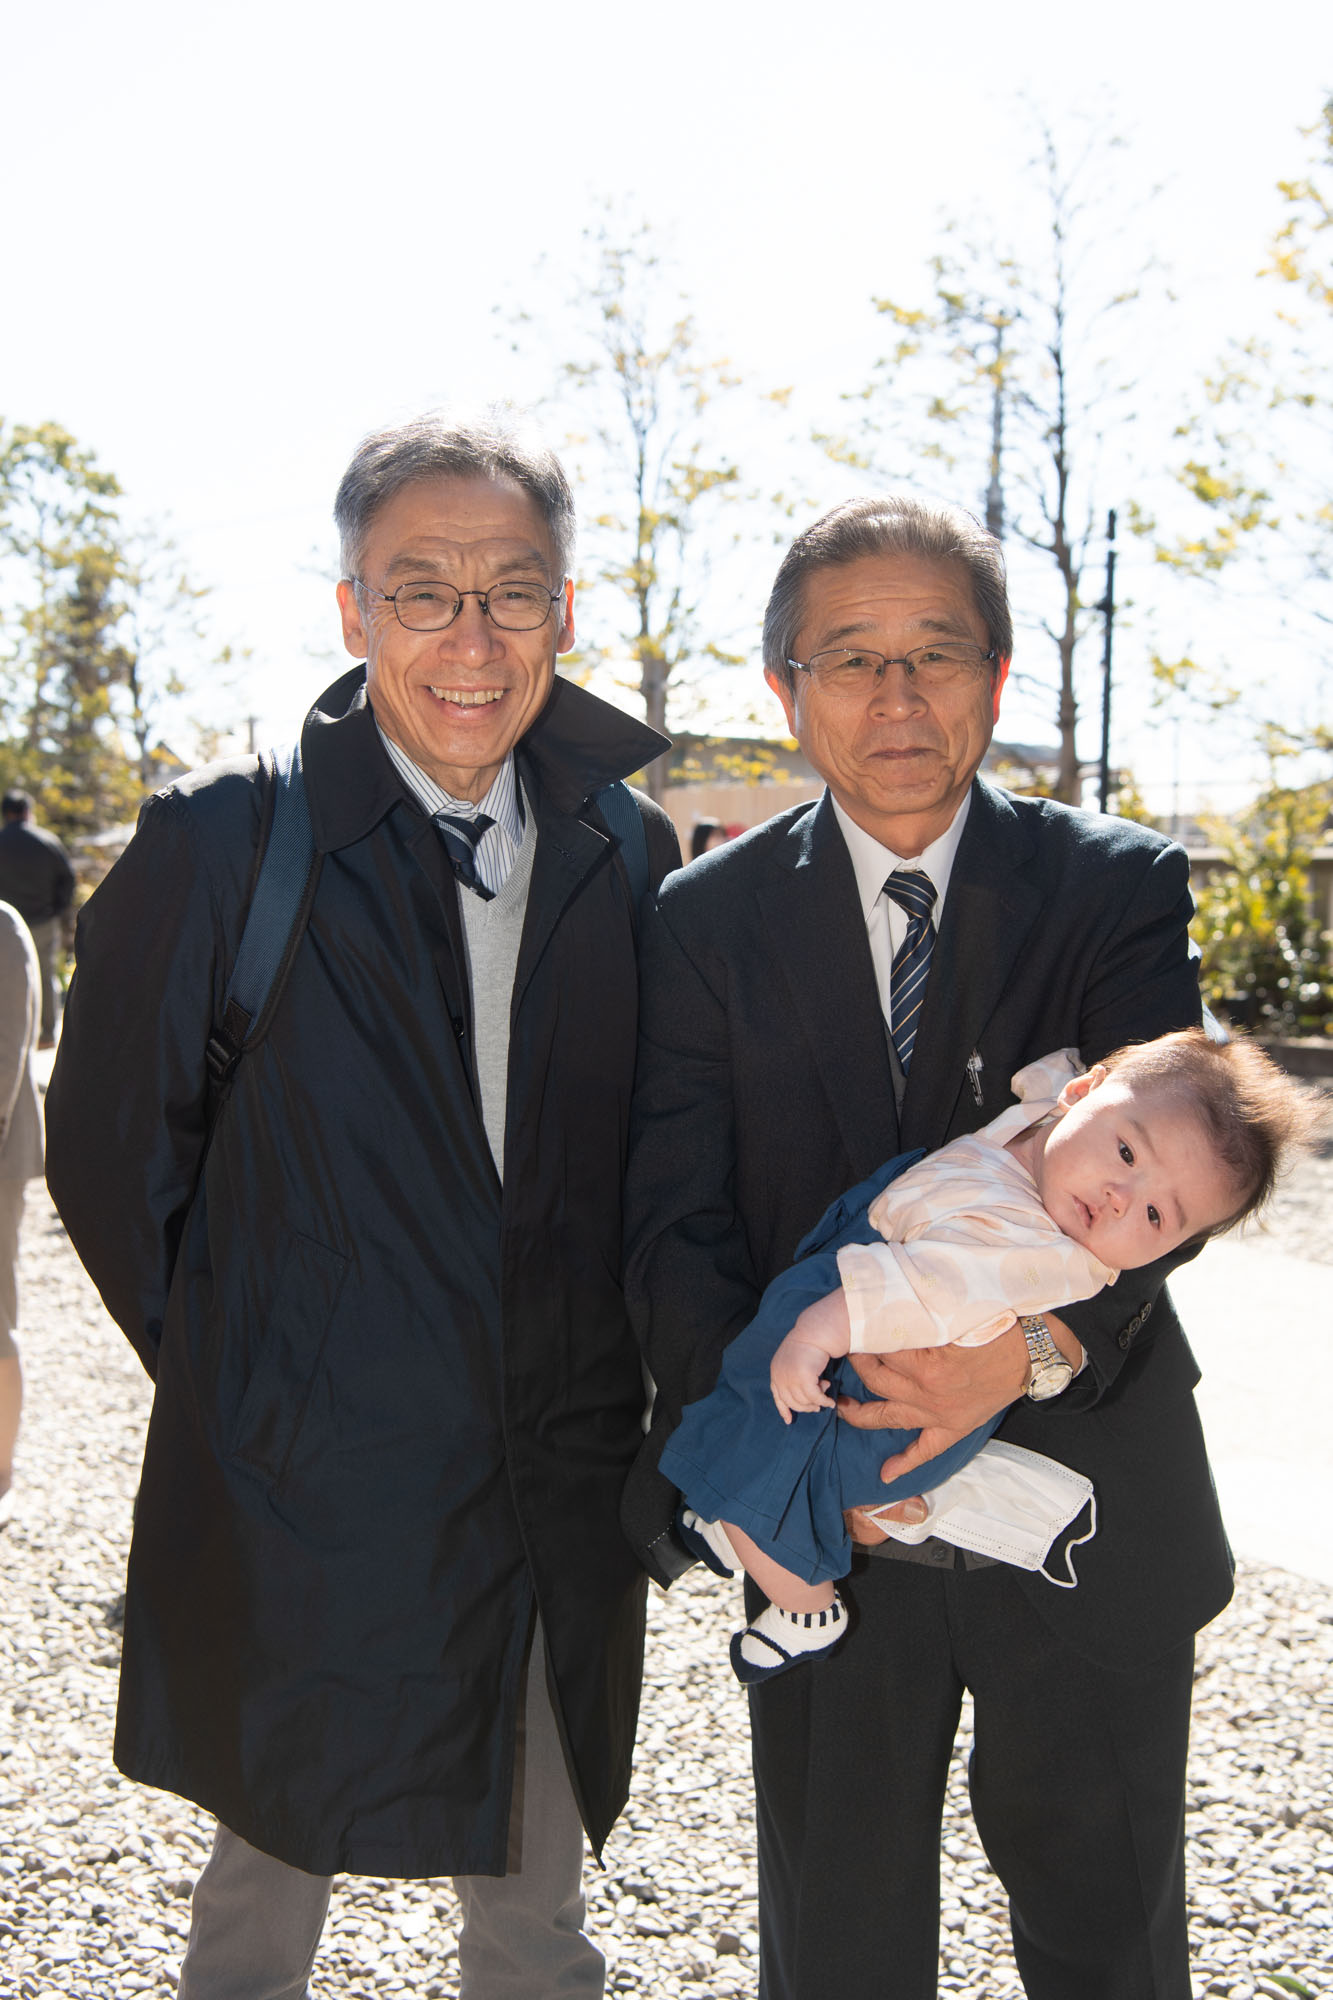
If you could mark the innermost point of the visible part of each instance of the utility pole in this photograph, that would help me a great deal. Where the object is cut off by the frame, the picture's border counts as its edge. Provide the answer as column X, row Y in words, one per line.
column 1107, row 609
column 995, row 491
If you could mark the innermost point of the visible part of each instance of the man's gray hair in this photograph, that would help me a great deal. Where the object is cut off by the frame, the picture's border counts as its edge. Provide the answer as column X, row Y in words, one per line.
column 498, row 443
column 895, row 525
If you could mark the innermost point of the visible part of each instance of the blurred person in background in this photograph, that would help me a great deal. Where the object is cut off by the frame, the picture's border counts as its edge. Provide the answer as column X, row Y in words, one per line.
column 36, row 877
column 706, row 835
column 20, row 1159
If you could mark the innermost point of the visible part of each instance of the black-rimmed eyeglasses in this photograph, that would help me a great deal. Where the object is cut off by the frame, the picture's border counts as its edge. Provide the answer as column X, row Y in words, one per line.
column 430, row 607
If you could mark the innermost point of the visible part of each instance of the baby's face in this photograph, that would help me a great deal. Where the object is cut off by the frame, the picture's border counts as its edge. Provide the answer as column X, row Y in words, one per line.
column 1129, row 1173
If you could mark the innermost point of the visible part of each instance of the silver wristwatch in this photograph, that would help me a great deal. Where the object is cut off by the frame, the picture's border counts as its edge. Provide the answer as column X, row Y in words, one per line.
column 1050, row 1371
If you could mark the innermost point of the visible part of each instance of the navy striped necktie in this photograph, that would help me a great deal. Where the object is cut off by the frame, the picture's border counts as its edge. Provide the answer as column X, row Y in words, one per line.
column 460, row 838
column 914, row 892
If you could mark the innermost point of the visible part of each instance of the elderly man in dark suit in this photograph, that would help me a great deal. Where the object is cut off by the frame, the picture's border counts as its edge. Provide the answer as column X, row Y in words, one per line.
column 859, row 977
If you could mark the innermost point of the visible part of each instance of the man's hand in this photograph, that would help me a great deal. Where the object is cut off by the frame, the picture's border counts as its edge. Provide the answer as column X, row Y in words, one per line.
column 944, row 1392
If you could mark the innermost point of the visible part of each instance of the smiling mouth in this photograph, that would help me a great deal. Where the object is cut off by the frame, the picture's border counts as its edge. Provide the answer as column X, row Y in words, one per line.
column 468, row 697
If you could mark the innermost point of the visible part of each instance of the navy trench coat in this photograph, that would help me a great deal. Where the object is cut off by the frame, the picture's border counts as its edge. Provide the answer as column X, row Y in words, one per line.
column 395, row 1404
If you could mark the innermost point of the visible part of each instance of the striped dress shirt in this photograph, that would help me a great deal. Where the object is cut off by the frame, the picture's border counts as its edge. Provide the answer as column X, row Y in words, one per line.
column 503, row 803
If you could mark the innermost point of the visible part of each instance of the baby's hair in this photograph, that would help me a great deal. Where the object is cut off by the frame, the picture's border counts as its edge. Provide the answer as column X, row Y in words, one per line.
column 1252, row 1111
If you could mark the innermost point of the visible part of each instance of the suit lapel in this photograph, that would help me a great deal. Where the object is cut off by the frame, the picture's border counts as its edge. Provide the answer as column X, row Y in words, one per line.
column 567, row 851
column 818, row 932
column 988, row 914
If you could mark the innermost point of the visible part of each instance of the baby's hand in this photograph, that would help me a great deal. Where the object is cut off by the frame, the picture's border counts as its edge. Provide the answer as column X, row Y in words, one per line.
column 796, row 1378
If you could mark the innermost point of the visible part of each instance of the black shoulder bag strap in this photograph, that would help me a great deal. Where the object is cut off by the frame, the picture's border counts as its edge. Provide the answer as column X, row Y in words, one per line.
column 618, row 807
column 275, row 922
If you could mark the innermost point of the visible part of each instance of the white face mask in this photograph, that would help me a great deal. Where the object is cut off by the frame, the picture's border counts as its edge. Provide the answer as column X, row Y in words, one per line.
column 1007, row 1503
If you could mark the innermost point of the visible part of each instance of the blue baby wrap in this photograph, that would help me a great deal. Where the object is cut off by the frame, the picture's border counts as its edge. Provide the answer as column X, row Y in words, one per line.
column 786, row 1485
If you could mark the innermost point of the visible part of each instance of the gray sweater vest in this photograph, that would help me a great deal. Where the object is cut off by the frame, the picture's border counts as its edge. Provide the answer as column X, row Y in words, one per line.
column 493, row 932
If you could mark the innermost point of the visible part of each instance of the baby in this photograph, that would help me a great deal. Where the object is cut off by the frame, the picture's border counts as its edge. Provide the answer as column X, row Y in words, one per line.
column 1092, row 1173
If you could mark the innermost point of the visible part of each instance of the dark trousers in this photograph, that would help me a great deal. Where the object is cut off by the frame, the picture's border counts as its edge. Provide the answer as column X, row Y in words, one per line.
column 1077, row 1781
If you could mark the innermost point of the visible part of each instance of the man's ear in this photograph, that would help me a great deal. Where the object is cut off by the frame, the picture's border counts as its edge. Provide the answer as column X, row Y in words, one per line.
column 1001, row 676
column 354, row 632
column 786, row 695
column 1078, row 1087
column 565, row 638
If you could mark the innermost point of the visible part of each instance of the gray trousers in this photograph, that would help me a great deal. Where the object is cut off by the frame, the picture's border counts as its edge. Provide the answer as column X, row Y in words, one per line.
column 46, row 937
column 256, row 1922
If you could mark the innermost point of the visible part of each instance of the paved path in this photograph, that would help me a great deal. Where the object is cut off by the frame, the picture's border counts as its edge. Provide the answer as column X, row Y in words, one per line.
column 1261, row 1325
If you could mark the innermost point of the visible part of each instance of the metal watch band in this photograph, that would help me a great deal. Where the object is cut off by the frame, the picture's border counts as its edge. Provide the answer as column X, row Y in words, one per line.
column 1051, row 1371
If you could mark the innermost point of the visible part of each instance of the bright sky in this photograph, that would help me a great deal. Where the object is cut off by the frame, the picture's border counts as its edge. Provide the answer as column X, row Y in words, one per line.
column 238, row 237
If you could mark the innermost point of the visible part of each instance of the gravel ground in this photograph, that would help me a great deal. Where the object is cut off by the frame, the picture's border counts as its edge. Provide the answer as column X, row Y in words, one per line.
column 95, row 1875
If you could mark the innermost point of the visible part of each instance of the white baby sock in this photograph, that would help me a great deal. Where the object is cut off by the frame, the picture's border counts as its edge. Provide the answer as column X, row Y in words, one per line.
column 717, row 1538
column 779, row 1639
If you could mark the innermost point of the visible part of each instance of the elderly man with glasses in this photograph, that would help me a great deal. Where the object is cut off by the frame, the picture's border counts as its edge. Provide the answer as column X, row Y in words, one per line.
column 859, row 978
column 380, row 1615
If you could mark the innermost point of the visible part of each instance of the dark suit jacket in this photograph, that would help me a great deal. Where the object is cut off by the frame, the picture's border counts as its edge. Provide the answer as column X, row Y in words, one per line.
column 763, row 1090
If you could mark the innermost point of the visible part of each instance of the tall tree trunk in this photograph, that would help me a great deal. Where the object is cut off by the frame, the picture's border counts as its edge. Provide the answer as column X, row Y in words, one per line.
column 654, row 684
column 995, row 490
column 1067, row 786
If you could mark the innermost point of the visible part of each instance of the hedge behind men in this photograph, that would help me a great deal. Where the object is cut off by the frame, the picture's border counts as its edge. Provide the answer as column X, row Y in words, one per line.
column 380, row 1616
column 36, row 877
column 777, row 1068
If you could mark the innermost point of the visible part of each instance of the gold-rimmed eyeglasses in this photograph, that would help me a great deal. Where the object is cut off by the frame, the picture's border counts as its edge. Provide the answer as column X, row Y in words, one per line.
column 854, row 670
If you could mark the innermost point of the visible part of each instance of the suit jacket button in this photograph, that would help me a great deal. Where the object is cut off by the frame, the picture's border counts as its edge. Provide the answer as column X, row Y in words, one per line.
column 1127, row 1336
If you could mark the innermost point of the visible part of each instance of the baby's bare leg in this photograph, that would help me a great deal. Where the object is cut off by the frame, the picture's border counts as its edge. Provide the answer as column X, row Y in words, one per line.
column 780, row 1586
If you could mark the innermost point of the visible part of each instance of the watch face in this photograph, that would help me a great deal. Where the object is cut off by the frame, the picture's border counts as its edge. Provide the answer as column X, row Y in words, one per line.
column 1049, row 1380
